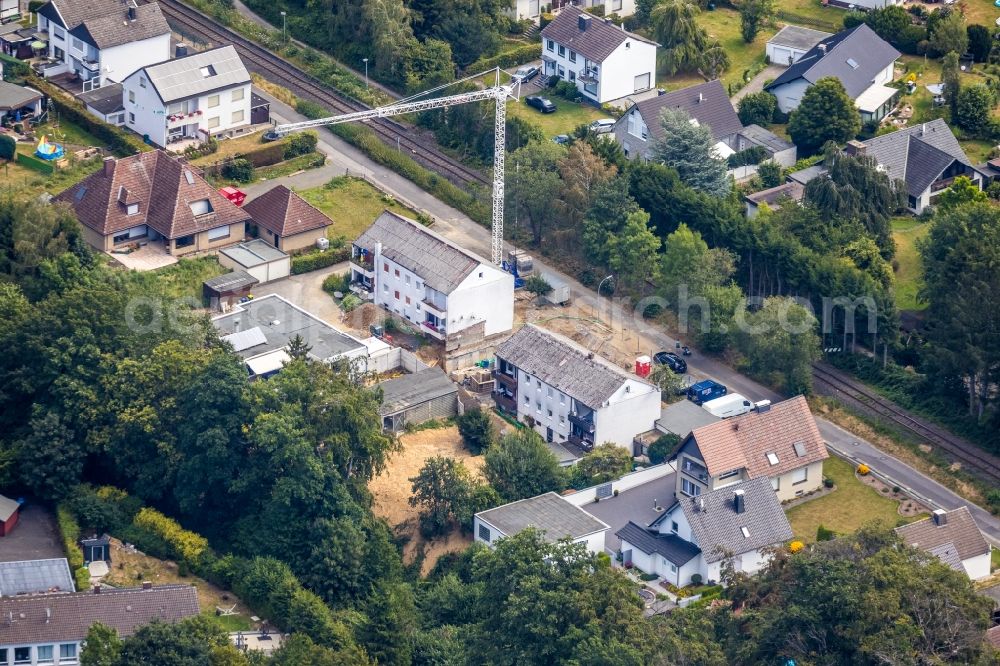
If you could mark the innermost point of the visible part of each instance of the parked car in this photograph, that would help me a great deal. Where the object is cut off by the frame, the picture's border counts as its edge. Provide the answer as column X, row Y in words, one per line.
column 540, row 103
column 525, row 73
column 603, row 126
column 671, row 360
column 561, row 138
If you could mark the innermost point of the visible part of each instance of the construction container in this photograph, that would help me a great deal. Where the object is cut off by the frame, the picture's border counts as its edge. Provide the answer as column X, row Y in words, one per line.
column 560, row 290
column 643, row 366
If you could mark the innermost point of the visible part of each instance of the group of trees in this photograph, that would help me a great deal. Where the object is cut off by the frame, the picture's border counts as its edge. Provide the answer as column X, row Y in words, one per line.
column 685, row 46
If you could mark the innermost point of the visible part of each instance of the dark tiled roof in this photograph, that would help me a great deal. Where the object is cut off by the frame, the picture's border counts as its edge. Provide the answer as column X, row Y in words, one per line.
column 13, row 96
column 70, row 615
column 401, row 393
column 106, row 99
column 718, row 529
column 285, row 213
column 670, row 546
column 917, row 154
column 798, row 37
column 562, row 363
column 706, row 102
column 860, row 45
column 115, row 29
column 745, row 441
column 596, row 43
column 71, row 13
column 548, row 513
column 960, row 529
column 163, row 186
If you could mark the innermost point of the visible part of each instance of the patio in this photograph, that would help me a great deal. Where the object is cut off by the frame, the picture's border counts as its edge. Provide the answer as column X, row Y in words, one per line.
column 148, row 257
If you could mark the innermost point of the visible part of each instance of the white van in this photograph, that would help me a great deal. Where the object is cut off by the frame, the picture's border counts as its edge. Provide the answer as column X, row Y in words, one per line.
column 603, row 126
column 730, row 405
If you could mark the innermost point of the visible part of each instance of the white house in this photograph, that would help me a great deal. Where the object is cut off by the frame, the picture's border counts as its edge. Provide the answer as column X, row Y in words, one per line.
column 954, row 538
column 778, row 442
column 198, row 96
column 696, row 536
column 568, row 394
column 450, row 293
column 103, row 40
column 791, row 43
column 604, row 61
column 860, row 59
column 531, row 9
column 552, row 515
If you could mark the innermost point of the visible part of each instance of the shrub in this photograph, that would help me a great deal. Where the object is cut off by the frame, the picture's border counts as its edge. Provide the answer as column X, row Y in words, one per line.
column 476, row 430
column 8, row 147
column 239, row 169
column 35, row 164
column 751, row 155
column 335, row 282
column 648, row 576
column 661, row 449
column 350, row 302
column 757, row 108
column 301, row 143
column 567, row 90
column 696, row 579
column 863, row 469
column 896, row 489
column 509, row 58
column 183, row 544
column 824, row 534
column 827, row 482
column 69, row 532
column 795, row 546
column 13, row 69
column 311, row 261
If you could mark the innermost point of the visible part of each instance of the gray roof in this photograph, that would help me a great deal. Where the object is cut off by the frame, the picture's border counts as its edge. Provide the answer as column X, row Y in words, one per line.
column 719, row 529
column 948, row 554
column 408, row 391
column 253, row 253
column 670, row 546
column 708, row 103
column 596, row 43
column 106, row 99
column 764, row 137
column 185, row 77
column 565, row 365
column 917, row 154
column 231, row 281
column 868, row 52
column 792, row 190
column 71, row 13
column 549, row 513
column 116, row 28
column 35, row 577
column 803, row 176
column 280, row 321
column 7, row 507
column 13, row 97
column 682, row 417
column 441, row 264
column 959, row 530
column 7, row 28
column 798, row 37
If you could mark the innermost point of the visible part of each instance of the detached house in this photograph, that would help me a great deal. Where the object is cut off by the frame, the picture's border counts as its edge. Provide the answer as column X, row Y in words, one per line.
column 778, row 442
column 153, row 198
column 698, row 535
column 568, row 394
column 860, row 59
column 451, row 293
column 550, row 514
column 954, row 538
column 103, row 40
column 286, row 220
column 198, row 96
column 603, row 60
column 927, row 157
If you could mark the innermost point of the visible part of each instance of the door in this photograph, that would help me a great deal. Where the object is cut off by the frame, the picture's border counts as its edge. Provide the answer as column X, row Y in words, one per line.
column 548, row 434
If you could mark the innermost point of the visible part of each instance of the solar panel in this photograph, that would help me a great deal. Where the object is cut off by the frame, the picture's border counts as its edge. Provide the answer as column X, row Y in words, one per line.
column 242, row 340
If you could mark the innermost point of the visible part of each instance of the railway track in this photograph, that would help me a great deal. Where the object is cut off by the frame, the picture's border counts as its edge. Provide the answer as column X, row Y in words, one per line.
column 278, row 70
column 972, row 458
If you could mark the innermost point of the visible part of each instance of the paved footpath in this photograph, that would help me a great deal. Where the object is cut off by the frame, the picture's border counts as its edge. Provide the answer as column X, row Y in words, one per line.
column 459, row 228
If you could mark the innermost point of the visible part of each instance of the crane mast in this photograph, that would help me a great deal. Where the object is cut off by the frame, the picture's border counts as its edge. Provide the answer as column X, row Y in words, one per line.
column 499, row 93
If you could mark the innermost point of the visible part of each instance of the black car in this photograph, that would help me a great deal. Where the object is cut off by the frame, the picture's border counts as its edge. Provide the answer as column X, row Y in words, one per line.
column 540, row 103
column 525, row 73
column 671, row 360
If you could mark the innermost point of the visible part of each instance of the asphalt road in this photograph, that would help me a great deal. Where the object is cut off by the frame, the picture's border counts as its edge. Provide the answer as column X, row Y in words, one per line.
column 462, row 230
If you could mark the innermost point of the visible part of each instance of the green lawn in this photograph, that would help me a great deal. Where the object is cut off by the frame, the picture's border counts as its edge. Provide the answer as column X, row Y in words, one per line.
column 995, row 559
column 844, row 510
column 64, row 132
column 182, row 279
column 229, row 623
column 568, row 115
column 352, row 204
column 906, row 231
column 724, row 25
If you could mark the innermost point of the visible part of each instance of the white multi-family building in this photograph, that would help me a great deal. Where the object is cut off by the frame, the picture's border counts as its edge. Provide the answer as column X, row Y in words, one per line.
column 532, row 9
column 449, row 292
column 103, row 40
column 604, row 61
column 198, row 96
column 568, row 394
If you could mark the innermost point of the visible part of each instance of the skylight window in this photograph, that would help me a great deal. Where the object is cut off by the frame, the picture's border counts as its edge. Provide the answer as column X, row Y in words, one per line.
column 772, row 458
column 188, row 177
column 209, row 70
column 800, row 448
column 852, row 63
column 80, row 193
column 746, row 532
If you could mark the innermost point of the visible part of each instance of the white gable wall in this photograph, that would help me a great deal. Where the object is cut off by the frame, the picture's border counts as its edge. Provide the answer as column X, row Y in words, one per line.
column 118, row 62
column 145, row 114
column 978, row 567
column 627, row 414
column 620, row 69
column 790, row 94
column 490, row 297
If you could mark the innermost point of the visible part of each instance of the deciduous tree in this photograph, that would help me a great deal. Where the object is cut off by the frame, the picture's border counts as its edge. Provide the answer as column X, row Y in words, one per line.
column 683, row 41
column 754, row 14
column 826, row 113
column 633, row 252
column 519, row 465
column 757, row 108
column 949, row 34
column 476, row 429
column 604, row 463
column 974, row 109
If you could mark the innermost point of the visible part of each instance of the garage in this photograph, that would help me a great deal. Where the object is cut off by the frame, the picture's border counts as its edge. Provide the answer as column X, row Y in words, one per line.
column 263, row 262
column 791, row 43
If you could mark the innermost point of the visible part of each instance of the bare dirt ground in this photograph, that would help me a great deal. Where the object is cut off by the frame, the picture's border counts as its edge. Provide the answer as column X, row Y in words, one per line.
column 392, row 491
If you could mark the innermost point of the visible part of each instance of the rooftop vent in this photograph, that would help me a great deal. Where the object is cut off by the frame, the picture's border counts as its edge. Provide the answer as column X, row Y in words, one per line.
column 739, row 501
column 822, row 49
column 147, row 585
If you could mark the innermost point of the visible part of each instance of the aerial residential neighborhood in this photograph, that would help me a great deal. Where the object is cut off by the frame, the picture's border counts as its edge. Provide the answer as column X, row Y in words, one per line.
column 365, row 333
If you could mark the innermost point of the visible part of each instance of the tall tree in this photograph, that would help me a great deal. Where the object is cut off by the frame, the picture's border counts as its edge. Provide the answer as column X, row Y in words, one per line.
column 51, row 457
column 826, row 113
column 388, row 633
column 690, row 149
column 980, row 42
column 633, row 253
column 974, row 110
column 952, row 80
column 888, row 22
column 780, row 343
column 610, row 206
column 754, row 14
column 102, row 646
column 448, row 495
column 949, row 34
column 683, row 41
column 520, row 466
column 582, row 172
column 532, row 176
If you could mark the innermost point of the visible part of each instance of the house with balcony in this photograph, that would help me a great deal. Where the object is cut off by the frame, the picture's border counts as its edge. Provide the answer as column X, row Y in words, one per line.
column 927, row 157
column 154, row 199
column 570, row 395
column 779, row 442
column 450, row 293
column 102, row 41
column 605, row 61
column 698, row 535
column 192, row 98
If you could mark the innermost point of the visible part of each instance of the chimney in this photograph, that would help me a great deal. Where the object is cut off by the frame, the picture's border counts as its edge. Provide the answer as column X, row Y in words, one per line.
column 109, row 166
column 180, row 50
column 701, row 98
column 131, row 13
column 701, row 505
column 97, row 588
column 48, row 615
column 855, row 147
column 147, row 585
column 583, row 22
column 822, row 49
column 940, row 517
column 739, row 501
column 923, row 128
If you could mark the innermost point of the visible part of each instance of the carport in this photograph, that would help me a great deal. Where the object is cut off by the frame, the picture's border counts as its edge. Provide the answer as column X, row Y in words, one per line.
column 264, row 262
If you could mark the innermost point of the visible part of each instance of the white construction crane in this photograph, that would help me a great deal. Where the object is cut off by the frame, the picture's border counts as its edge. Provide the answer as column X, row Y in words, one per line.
column 499, row 92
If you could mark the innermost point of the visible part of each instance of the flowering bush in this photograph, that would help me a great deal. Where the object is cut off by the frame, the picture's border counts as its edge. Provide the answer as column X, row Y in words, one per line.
column 863, row 469
column 796, row 546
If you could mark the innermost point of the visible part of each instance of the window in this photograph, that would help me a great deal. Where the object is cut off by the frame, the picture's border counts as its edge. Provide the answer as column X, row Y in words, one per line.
column 385, row 267
column 3, row 655
column 550, row 413
column 407, row 300
column 550, row 45
column 572, row 56
column 562, row 399
column 527, row 400
column 674, row 526
column 616, row 5
column 22, row 655
column 207, row 71
column 131, row 97
column 538, row 408
column 213, row 101
column 397, row 272
column 142, row 81
column 419, row 286
column 562, row 71
column 690, row 488
column 407, row 279
column 218, row 233
column 484, row 533
column 77, row 44
column 385, row 288
column 730, row 474
column 562, row 419
column 58, row 32
column 800, row 475
column 131, row 118
column 549, row 392
column 239, row 94
column 44, row 654
column 480, row 274
column 641, row 82
column 746, row 532
column 200, row 207
column 673, row 567
column 775, row 484
column 852, row 63
column 133, row 209
column 562, row 51
column 772, row 458
column 67, row 651
column 572, row 76
column 396, row 294
column 184, row 241
column 213, row 122
column 238, row 116
column 800, row 448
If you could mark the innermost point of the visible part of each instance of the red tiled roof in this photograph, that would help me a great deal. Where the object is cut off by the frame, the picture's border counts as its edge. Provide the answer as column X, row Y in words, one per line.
column 285, row 213
column 745, row 441
column 164, row 188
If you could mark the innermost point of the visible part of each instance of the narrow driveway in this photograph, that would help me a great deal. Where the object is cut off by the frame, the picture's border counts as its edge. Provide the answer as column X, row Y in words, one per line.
column 756, row 84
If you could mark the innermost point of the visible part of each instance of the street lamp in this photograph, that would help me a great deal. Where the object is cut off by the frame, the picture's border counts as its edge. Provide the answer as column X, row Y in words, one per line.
column 599, row 295
column 284, row 26
column 365, row 60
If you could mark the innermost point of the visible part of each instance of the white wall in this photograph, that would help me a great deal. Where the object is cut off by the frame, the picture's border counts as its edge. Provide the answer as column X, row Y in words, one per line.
column 225, row 109
column 627, row 414
column 630, row 59
column 119, row 61
column 490, row 297
column 34, row 652
column 790, row 95
column 814, row 481
column 978, row 567
column 145, row 113
column 587, row 495
column 593, row 542
column 543, row 398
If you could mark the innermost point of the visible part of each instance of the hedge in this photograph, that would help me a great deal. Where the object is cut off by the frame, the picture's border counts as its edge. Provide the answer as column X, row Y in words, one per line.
column 510, row 58
column 35, row 164
column 69, row 532
column 185, row 545
column 13, row 69
column 311, row 261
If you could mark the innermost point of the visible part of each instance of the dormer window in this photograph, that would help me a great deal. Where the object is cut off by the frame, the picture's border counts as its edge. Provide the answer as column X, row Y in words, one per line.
column 207, row 71
column 201, row 207
column 772, row 458
column 132, row 209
